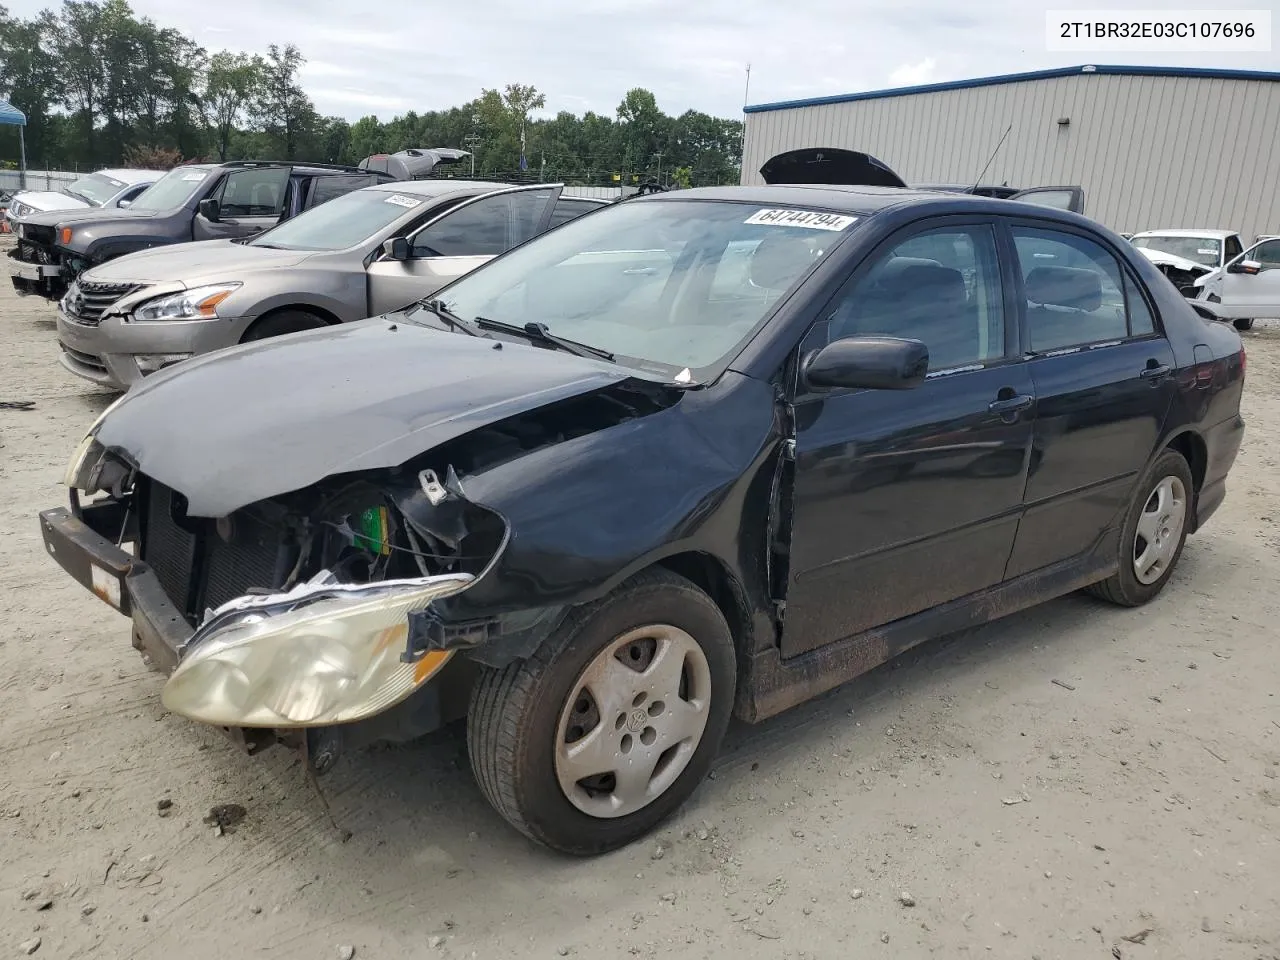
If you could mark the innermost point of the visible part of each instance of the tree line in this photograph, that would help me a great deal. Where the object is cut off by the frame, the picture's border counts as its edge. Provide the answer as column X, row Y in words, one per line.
column 103, row 87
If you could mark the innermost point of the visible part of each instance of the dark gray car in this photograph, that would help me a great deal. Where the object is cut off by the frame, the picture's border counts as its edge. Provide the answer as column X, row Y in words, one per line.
column 365, row 253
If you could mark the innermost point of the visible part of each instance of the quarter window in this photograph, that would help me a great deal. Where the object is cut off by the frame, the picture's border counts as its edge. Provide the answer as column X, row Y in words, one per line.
column 566, row 210
column 1075, row 292
column 941, row 287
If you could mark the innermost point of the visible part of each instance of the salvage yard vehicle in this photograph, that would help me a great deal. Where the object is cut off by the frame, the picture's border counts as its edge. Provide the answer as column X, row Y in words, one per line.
column 368, row 252
column 105, row 189
column 1185, row 256
column 612, row 487
column 1246, row 288
column 198, row 201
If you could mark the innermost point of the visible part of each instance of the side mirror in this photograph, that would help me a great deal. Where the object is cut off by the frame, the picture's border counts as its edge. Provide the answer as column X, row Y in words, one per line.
column 1251, row 267
column 397, row 248
column 124, row 203
column 211, row 210
column 868, row 363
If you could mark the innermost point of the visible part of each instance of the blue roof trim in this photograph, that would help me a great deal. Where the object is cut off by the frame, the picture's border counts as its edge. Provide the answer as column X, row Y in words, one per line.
column 1203, row 73
column 11, row 115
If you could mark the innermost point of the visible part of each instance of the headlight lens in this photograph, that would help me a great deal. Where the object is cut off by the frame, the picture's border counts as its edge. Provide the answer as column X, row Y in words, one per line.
column 88, row 451
column 335, row 659
column 199, row 303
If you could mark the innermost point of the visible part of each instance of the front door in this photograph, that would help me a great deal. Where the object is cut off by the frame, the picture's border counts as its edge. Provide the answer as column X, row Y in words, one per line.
column 249, row 201
column 904, row 500
column 458, row 242
column 1246, row 296
column 1104, row 380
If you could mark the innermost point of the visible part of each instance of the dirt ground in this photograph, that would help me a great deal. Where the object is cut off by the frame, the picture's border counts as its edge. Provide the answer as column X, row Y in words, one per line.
column 959, row 803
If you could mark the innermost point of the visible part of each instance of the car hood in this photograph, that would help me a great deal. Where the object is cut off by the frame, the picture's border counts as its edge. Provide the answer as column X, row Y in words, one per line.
column 829, row 165
column 1162, row 259
column 191, row 264
column 44, row 201
column 55, row 218
column 255, row 421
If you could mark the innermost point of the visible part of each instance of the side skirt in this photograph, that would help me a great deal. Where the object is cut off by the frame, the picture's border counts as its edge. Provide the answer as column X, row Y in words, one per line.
column 772, row 685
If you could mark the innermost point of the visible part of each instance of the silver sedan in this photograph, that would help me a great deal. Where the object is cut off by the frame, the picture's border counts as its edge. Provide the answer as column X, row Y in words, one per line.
column 362, row 254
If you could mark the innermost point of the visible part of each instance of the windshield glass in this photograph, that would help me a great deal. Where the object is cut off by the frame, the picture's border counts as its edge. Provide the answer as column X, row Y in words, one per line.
column 95, row 188
column 172, row 190
column 342, row 222
column 678, row 283
column 1203, row 250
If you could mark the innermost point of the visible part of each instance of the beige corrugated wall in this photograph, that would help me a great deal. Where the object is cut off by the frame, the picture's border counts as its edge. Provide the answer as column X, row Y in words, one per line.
column 1149, row 151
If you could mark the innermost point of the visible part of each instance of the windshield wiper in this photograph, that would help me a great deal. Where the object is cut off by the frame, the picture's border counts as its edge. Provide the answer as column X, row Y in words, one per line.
column 538, row 333
column 439, row 308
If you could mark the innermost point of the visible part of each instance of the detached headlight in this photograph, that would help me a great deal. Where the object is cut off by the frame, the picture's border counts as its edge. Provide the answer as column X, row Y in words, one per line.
column 199, row 303
column 88, row 452
column 279, row 662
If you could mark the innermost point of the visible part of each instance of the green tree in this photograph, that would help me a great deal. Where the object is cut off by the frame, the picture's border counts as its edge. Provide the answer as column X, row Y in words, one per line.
column 282, row 108
column 31, row 81
column 233, row 86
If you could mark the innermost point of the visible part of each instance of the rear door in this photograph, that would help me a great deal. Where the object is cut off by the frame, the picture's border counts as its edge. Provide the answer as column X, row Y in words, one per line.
column 458, row 242
column 249, row 200
column 1247, row 296
column 324, row 189
column 1060, row 198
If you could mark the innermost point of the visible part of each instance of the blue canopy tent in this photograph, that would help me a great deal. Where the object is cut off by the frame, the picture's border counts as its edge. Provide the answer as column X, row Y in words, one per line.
column 11, row 115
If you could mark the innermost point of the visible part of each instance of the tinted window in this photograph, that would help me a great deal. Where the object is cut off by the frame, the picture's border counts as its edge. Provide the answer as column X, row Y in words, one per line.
column 1233, row 249
column 1141, row 322
column 324, row 189
column 254, row 193
column 568, row 209
column 487, row 227
column 1073, row 288
column 1267, row 254
column 941, row 287
column 1059, row 199
column 132, row 193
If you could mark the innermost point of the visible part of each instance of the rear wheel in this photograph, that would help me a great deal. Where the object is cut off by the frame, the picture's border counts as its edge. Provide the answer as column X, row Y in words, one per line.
column 1155, row 529
column 612, row 723
column 282, row 322
column 1244, row 324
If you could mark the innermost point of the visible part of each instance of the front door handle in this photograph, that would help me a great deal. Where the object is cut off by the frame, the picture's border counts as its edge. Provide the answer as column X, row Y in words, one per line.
column 1155, row 373
column 1008, row 408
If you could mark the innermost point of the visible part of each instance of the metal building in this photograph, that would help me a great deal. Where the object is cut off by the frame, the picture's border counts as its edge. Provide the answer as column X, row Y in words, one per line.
column 1153, row 147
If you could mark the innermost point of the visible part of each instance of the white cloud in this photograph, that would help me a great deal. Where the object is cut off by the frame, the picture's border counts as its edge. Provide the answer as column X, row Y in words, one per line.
column 912, row 74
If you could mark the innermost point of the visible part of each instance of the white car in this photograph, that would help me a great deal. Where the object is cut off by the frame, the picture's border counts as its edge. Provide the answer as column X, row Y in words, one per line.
column 1185, row 256
column 106, row 188
column 1247, row 287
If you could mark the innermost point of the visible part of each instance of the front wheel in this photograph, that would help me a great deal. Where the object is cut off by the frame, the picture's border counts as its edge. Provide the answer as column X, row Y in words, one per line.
column 613, row 722
column 1243, row 324
column 1155, row 529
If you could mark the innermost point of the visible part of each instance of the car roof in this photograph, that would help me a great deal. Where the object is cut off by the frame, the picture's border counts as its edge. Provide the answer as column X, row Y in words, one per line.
column 125, row 175
column 1181, row 232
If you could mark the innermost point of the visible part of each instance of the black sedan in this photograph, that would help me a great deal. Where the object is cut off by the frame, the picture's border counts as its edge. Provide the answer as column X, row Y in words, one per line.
column 698, row 454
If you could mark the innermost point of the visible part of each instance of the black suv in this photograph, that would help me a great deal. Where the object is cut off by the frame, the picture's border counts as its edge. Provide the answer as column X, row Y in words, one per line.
column 198, row 201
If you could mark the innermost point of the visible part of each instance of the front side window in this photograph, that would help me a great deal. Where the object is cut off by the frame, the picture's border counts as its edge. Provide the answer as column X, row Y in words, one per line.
column 1074, row 290
column 941, row 287
column 667, row 283
column 1267, row 254
column 485, row 228
column 566, row 209
column 1233, row 249
column 173, row 190
column 254, row 193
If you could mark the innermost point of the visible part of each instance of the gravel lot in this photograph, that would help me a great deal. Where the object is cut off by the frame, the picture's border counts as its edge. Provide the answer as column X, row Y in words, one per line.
column 958, row 803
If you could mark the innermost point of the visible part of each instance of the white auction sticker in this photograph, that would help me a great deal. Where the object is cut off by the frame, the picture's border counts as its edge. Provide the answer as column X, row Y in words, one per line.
column 195, row 177
column 402, row 201
column 810, row 219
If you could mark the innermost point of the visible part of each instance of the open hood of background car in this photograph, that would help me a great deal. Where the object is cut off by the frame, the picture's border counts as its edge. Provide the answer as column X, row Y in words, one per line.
column 255, row 421
column 412, row 164
column 829, row 165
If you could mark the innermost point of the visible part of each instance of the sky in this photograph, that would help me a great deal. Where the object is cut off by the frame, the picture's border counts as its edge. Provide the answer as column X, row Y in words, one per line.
column 391, row 56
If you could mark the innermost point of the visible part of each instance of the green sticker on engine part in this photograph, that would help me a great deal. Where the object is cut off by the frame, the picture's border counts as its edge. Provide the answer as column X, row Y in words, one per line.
column 373, row 533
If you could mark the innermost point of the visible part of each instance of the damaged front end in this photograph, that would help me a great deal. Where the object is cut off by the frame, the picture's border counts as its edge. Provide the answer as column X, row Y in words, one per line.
column 302, row 619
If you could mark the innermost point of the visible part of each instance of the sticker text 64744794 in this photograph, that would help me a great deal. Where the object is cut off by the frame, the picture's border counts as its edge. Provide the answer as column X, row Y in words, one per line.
column 810, row 219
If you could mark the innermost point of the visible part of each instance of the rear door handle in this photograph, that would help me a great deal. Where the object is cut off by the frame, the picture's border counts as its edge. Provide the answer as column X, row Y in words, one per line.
column 1156, row 373
column 1010, row 407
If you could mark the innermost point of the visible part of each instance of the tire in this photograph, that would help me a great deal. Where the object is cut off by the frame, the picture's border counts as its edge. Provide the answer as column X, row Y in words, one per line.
column 285, row 321
column 523, row 718
column 1243, row 324
column 1127, row 587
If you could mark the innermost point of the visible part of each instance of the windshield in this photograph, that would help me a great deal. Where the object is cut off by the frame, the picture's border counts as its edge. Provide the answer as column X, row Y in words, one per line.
column 172, row 190
column 1203, row 250
column 95, row 188
column 676, row 283
column 342, row 222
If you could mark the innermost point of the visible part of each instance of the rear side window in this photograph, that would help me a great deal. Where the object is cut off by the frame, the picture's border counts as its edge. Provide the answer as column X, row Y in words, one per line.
column 566, row 210
column 1075, row 291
